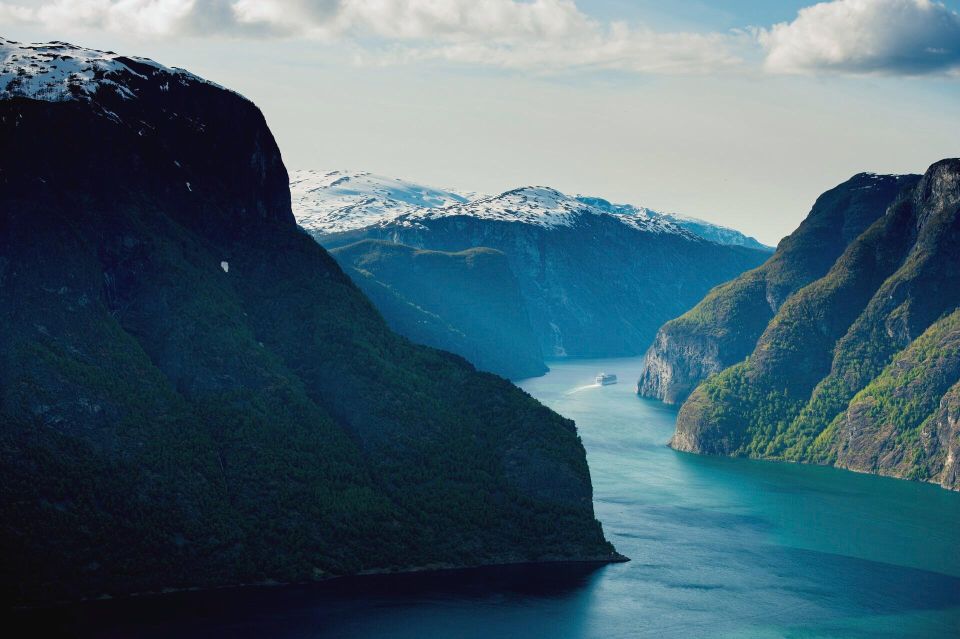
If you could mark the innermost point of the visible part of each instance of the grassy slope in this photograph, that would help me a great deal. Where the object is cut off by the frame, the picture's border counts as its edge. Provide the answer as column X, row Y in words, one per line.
column 890, row 426
column 724, row 327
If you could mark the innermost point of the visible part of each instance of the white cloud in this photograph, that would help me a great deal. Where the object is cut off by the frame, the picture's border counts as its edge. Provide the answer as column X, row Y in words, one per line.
column 13, row 14
column 468, row 19
column 150, row 18
column 614, row 48
column 897, row 37
column 541, row 35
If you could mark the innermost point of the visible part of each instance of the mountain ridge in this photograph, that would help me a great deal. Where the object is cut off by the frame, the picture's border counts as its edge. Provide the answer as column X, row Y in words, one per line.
column 331, row 202
column 594, row 282
column 857, row 367
column 723, row 328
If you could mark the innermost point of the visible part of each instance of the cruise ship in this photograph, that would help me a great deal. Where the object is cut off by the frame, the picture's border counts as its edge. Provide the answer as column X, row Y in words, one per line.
column 605, row 379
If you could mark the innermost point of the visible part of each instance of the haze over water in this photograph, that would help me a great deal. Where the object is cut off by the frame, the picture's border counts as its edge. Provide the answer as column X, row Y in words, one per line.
column 719, row 547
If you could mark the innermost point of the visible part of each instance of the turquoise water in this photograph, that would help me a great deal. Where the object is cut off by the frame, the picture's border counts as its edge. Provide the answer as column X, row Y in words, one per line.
column 719, row 548
column 739, row 548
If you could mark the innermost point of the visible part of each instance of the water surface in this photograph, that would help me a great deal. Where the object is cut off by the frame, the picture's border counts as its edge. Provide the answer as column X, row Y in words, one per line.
column 719, row 548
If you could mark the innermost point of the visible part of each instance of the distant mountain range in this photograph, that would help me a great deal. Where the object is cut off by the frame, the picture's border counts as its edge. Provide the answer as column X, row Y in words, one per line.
column 596, row 279
column 843, row 349
column 707, row 230
column 331, row 202
column 194, row 395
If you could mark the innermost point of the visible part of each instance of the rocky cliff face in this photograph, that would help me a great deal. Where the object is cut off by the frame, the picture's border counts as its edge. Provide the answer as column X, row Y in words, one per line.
column 468, row 303
column 856, row 368
column 193, row 394
column 724, row 327
column 593, row 285
column 945, row 425
column 904, row 423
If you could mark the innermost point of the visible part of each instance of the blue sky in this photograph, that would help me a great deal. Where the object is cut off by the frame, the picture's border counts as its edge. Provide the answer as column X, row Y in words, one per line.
column 696, row 14
column 738, row 112
column 690, row 14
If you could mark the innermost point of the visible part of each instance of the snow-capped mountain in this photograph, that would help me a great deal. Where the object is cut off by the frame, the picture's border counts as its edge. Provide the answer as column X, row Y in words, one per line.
column 173, row 110
column 541, row 206
column 330, row 202
column 702, row 228
column 59, row 71
column 336, row 201
column 595, row 277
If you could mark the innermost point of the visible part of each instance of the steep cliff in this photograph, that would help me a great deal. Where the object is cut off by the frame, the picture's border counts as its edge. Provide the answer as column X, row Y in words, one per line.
column 468, row 303
column 724, row 327
column 904, row 423
column 193, row 394
column 855, row 368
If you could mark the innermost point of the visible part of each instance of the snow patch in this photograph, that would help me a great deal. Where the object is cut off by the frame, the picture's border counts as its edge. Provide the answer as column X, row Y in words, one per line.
column 338, row 201
column 335, row 201
column 544, row 207
column 59, row 71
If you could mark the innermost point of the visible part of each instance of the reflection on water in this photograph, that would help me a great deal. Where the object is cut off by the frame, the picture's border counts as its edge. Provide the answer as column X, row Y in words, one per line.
column 385, row 606
column 720, row 547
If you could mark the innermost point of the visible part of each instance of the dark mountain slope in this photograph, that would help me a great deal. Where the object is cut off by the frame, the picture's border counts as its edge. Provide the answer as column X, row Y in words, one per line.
column 597, row 278
column 468, row 302
column 193, row 394
column 594, row 285
column 796, row 396
column 724, row 327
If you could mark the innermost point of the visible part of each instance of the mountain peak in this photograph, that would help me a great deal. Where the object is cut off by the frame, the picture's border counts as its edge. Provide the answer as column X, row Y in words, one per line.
column 535, row 205
column 339, row 201
column 206, row 143
column 544, row 194
column 59, row 71
column 941, row 182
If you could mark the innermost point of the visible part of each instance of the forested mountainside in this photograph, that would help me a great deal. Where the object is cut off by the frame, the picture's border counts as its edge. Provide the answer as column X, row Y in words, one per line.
column 724, row 327
column 193, row 394
column 467, row 302
column 860, row 367
column 595, row 282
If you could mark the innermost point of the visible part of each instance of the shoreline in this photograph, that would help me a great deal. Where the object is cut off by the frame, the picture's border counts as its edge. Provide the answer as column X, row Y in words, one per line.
column 362, row 575
column 800, row 462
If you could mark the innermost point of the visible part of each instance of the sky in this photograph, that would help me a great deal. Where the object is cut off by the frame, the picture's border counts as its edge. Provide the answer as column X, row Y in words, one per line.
column 737, row 112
